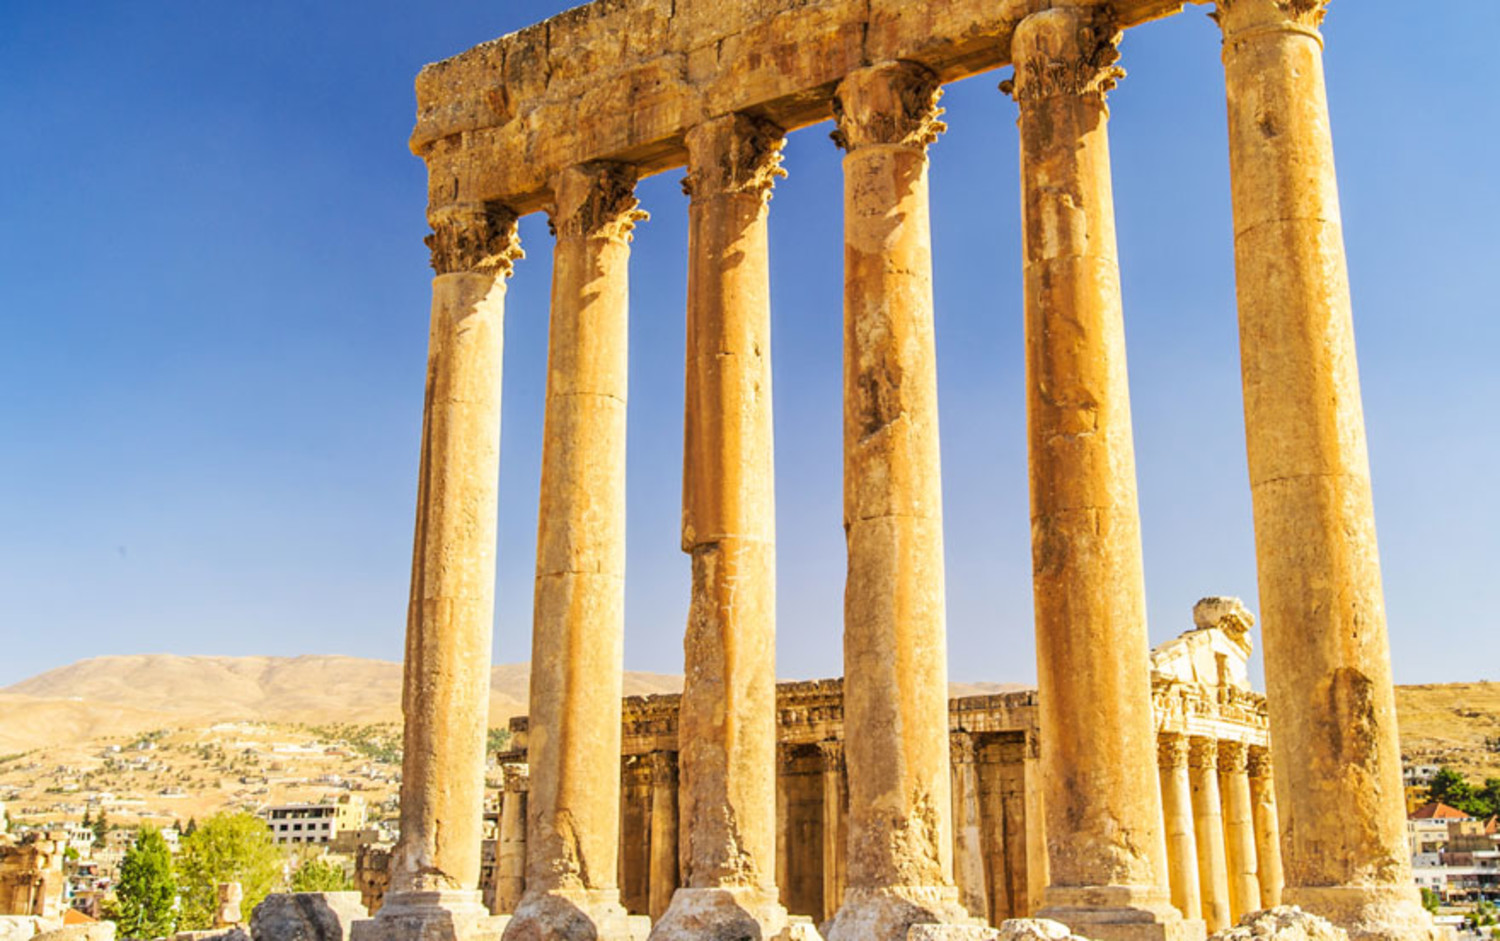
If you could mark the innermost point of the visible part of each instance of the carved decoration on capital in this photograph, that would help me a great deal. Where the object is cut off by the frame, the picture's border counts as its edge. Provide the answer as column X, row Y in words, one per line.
column 1171, row 750
column 1258, row 761
column 481, row 238
column 1203, row 752
column 517, row 778
column 595, row 201
column 663, row 767
column 833, row 754
column 1232, row 756
column 1065, row 52
column 1260, row 14
column 961, row 748
column 895, row 103
column 734, row 154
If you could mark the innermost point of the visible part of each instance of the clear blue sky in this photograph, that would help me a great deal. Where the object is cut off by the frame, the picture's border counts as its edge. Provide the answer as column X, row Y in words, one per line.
column 213, row 318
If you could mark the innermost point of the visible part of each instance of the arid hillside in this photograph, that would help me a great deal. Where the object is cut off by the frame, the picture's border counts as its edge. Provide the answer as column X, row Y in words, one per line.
column 1456, row 724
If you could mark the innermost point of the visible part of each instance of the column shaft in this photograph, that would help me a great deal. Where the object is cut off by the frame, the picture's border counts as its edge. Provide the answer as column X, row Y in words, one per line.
column 1328, row 674
column 663, row 831
column 1267, row 827
column 835, row 827
column 573, row 738
column 1239, row 831
column 1104, row 814
column 727, row 726
column 968, row 833
column 1208, row 825
column 1177, row 812
column 510, row 854
column 895, row 654
column 445, row 697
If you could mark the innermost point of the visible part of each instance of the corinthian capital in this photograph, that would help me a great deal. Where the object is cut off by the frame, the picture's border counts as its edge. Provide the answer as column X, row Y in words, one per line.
column 1171, row 750
column 482, row 238
column 1238, row 17
column 1203, row 752
column 595, row 201
column 1232, row 756
column 1064, row 51
column 736, row 153
column 894, row 103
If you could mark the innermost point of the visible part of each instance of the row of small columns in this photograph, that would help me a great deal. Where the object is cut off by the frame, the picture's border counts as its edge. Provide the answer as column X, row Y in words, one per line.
column 1223, row 846
column 1327, row 663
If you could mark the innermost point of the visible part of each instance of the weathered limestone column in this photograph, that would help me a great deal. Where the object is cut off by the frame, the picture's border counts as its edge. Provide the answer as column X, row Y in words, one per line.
column 434, row 888
column 895, row 647
column 1108, row 855
column 968, row 835
column 1267, row 827
column 835, row 826
column 663, row 878
column 1177, row 812
column 1208, row 825
column 1328, row 672
column 573, row 737
column 510, row 854
column 727, row 728
column 1239, row 830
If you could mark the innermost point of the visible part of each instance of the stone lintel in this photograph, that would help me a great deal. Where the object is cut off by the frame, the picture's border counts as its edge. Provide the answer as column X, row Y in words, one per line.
column 624, row 80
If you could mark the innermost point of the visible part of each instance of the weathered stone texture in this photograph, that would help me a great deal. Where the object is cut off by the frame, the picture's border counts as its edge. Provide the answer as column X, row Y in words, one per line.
column 306, row 916
column 1283, row 923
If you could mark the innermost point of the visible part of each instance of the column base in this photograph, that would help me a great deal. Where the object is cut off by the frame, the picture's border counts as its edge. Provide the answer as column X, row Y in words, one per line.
column 1370, row 913
column 1120, row 913
column 887, row 914
column 574, row 915
column 721, row 913
column 445, row 915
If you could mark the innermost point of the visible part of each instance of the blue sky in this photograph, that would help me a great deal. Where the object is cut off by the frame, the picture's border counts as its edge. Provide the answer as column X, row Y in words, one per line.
column 213, row 317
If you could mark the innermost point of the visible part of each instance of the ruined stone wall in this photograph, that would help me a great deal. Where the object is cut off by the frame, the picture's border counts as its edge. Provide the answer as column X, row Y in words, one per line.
column 31, row 875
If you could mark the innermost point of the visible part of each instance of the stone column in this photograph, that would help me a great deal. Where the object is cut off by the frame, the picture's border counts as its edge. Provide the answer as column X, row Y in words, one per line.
column 1208, row 825
column 835, row 826
column 1108, row 855
column 1328, row 672
column 663, row 831
column 968, row 834
column 446, row 689
column 1177, row 811
column 510, row 854
column 895, row 647
column 1267, row 828
column 573, row 737
column 727, row 729
column 1239, row 830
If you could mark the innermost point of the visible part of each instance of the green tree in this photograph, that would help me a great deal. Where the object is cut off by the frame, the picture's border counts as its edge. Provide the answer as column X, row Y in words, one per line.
column 227, row 847
column 320, row 874
column 1430, row 900
column 147, row 888
column 101, row 826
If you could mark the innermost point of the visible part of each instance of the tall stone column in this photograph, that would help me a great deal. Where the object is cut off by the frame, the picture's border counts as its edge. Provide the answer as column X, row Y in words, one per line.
column 573, row 738
column 1239, row 830
column 510, row 855
column 1177, row 812
column 1328, row 671
column 663, row 876
column 835, row 826
column 1267, row 826
column 895, row 646
column 434, row 888
column 1208, row 825
column 727, row 729
column 968, row 832
column 1108, row 855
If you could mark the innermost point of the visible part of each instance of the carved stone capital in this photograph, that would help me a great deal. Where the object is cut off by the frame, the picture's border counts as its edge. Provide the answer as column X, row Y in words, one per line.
column 482, row 238
column 1064, row 52
column 961, row 747
column 1171, row 750
column 733, row 154
column 1232, row 756
column 517, row 778
column 833, row 754
column 894, row 103
column 1258, row 761
column 663, row 767
column 595, row 201
column 1203, row 752
column 1239, row 18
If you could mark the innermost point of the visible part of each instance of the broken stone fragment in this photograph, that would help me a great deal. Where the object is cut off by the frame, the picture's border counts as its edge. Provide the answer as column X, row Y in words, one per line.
column 1282, row 923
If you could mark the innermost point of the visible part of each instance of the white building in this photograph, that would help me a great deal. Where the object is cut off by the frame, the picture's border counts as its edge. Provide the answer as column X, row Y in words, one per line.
column 314, row 823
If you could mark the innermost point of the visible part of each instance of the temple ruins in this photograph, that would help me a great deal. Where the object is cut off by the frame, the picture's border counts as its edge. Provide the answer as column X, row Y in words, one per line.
column 564, row 117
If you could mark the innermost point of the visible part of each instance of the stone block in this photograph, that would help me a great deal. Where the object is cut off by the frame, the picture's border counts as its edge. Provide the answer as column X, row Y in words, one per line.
column 97, row 931
column 937, row 932
column 17, row 927
column 306, row 916
column 1282, row 923
column 798, row 931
